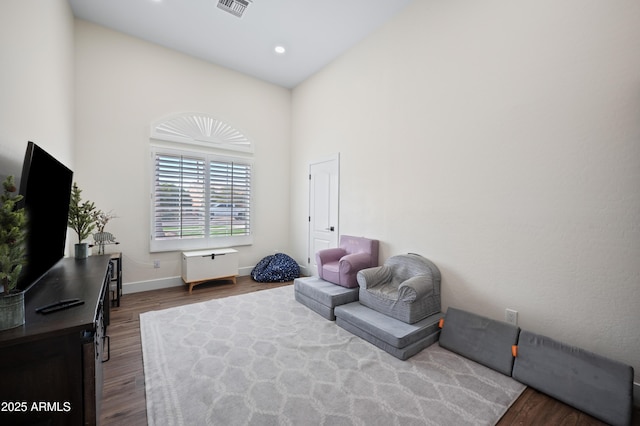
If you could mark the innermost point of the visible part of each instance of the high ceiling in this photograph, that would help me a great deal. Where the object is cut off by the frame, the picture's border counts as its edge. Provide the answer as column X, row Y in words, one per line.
column 313, row 32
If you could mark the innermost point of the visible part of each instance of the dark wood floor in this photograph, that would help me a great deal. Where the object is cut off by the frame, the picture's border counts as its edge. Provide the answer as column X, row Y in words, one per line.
column 124, row 402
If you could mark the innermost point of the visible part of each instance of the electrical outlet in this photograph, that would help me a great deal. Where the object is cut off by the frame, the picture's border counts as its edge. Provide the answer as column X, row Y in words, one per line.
column 511, row 316
column 156, row 264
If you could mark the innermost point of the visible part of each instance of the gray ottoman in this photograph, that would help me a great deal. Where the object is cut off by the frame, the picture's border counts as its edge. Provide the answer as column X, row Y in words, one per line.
column 322, row 296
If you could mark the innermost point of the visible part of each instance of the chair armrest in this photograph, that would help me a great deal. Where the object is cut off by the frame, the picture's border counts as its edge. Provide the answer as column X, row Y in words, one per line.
column 329, row 255
column 371, row 277
column 355, row 262
column 415, row 288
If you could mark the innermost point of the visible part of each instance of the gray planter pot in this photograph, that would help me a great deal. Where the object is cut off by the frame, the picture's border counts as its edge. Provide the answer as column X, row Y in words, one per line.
column 82, row 250
column 11, row 310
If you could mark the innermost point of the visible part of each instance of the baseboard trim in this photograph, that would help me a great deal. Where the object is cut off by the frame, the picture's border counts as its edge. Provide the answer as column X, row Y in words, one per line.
column 304, row 271
column 140, row 286
column 244, row 271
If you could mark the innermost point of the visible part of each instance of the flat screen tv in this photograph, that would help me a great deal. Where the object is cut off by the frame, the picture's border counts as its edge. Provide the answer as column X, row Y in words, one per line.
column 45, row 185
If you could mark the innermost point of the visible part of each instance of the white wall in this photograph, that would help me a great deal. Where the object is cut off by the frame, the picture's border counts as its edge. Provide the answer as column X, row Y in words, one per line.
column 501, row 140
column 123, row 84
column 36, row 80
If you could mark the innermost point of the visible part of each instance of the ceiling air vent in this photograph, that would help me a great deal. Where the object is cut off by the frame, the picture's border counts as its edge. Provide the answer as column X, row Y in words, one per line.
column 234, row 7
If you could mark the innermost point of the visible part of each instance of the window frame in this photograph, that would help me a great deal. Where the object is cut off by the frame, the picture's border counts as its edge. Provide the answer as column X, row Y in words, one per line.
column 207, row 241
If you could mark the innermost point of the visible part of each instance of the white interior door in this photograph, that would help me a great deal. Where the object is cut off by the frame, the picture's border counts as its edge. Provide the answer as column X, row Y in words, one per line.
column 324, row 186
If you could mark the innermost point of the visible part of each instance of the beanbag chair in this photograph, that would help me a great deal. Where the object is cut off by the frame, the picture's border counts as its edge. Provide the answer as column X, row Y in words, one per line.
column 276, row 268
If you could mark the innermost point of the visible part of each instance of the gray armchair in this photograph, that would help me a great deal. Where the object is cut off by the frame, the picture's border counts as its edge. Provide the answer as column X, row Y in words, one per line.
column 406, row 287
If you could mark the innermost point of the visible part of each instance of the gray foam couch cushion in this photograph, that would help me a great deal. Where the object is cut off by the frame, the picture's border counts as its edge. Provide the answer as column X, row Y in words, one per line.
column 480, row 339
column 589, row 382
column 396, row 337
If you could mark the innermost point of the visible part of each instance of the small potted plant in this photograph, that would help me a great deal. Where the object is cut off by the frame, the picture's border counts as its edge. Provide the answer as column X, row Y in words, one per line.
column 13, row 232
column 81, row 220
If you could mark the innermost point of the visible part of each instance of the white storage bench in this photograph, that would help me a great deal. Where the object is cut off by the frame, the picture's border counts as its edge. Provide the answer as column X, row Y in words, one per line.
column 208, row 265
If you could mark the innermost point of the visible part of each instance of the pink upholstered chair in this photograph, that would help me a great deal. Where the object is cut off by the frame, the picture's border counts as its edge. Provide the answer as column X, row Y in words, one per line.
column 340, row 265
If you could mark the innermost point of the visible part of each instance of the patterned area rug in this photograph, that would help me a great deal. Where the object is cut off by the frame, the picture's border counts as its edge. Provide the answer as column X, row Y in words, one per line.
column 264, row 359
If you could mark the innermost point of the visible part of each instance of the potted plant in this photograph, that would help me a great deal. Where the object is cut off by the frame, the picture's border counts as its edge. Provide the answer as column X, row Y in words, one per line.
column 81, row 220
column 13, row 222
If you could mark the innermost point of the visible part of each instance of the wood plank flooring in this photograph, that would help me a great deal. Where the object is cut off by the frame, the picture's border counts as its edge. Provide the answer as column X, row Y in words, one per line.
column 123, row 399
column 535, row 408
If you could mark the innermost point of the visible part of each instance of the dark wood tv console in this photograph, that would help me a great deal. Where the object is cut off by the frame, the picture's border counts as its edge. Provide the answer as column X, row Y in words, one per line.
column 51, row 367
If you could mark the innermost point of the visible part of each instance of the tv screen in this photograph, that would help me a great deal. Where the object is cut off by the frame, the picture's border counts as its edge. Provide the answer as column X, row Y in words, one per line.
column 45, row 185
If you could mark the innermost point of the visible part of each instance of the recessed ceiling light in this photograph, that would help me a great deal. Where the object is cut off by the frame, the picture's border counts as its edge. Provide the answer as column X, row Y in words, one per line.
column 280, row 50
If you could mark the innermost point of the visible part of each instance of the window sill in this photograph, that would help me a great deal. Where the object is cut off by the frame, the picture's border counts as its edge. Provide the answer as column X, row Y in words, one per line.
column 199, row 243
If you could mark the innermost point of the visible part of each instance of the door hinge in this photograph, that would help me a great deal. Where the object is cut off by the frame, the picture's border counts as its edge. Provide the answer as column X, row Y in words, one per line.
column 308, row 260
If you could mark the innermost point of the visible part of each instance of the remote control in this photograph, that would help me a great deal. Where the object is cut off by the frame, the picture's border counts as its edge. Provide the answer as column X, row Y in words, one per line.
column 58, row 306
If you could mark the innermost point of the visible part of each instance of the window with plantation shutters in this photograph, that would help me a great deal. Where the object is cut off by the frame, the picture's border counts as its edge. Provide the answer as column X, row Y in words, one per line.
column 201, row 184
column 199, row 201
column 179, row 197
column 230, row 198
